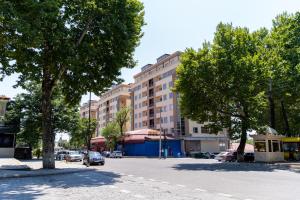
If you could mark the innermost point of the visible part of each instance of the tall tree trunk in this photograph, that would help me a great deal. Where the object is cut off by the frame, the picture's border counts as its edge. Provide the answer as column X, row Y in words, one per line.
column 48, row 134
column 285, row 119
column 241, row 147
column 271, row 106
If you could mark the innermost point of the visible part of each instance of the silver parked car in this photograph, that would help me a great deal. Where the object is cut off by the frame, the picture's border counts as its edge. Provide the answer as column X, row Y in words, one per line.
column 73, row 156
column 116, row 154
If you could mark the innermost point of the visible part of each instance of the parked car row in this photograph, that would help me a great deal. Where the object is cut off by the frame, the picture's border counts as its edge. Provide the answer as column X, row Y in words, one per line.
column 91, row 157
column 205, row 155
column 227, row 156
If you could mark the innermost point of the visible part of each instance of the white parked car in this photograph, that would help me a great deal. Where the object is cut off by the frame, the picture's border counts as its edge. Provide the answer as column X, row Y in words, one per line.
column 222, row 156
column 116, row 154
column 73, row 156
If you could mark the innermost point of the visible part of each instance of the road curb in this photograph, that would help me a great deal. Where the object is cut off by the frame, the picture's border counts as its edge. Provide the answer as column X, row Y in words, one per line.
column 44, row 173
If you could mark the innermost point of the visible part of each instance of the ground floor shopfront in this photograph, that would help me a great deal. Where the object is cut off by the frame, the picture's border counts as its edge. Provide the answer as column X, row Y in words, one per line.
column 209, row 143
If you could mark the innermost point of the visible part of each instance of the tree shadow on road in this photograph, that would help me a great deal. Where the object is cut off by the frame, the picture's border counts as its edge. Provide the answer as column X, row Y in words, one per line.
column 231, row 167
column 35, row 187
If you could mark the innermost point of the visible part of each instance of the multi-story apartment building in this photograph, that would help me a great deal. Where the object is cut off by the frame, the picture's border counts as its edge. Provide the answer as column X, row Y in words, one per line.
column 84, row 109
column 155, row 106
column 110, row 103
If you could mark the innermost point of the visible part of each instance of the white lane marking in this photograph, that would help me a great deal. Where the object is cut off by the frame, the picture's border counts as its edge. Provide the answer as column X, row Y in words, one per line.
column 151, row 179
column 200, row 190
column 130, row 175
column 112, row 186
column 180, row 185
column 122, row 174
column 139, row 196
column 125, row 191
column 164, row 182
column 225, row 195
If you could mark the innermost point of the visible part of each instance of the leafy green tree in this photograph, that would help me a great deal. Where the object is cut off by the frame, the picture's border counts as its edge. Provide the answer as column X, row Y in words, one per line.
column 82, row 134
column 122, row 117
column 80, row 45
column 282, row 57
column 27, row 108
column 112, row 134
column 222, row 82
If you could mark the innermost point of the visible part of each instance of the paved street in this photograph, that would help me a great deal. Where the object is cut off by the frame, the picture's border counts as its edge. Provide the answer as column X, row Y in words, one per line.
column 141, row 178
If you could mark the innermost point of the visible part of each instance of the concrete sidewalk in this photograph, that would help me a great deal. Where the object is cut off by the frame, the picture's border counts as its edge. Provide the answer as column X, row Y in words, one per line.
column 34, row 168
column 12, row 164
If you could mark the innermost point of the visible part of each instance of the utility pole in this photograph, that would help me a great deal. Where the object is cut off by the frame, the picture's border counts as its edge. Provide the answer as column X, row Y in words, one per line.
column 88, row 142
column 159, row 153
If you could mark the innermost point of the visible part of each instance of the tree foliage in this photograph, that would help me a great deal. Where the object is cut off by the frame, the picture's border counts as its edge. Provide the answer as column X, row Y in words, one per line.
column 82, row 133
column 243, row 81
column 221, row 82
column 80, row 45
column 282, row 58
column 122, row 117
column 112, row 134
column 27, row 108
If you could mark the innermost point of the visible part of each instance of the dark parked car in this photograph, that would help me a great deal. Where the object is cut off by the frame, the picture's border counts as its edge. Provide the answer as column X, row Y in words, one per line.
column 106, row 154
column 93, row 157
column 249, row 157
column 205, row 155
column 23, row 153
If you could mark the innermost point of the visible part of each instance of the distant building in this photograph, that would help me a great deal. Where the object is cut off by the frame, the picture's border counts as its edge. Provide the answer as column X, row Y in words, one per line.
column 155, row 106
column 110, row 103
column 84, row 110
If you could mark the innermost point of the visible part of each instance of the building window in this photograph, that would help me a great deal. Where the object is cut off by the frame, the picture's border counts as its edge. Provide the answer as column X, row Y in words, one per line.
column 135, row 106
column 195, row 129
column 165, row 119
column 171, row 95
column 275, row 145
column 165, row 97
column 171, row 84
column 260, row 146
column 171, row 119
column 140, row 105
column 204, row 130
column 135, row 125
column 164, row 86
column 161, row 120
column 171, row 107
column 135, row 116
column 140, row 124
column 140, row 96
column 165, row 109
column 140, row 115
column 135, row 97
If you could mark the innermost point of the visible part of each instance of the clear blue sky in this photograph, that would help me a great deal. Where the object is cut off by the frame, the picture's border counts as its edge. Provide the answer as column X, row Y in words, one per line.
column 177, row 24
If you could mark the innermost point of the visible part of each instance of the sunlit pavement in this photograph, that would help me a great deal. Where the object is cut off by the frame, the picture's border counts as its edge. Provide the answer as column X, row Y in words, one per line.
column 142, row 178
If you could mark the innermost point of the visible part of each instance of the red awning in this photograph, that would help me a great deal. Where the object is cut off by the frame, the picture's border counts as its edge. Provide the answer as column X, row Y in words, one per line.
column 98, row 140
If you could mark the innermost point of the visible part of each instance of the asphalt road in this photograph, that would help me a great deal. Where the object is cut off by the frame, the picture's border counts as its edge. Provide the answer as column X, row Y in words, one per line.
column 141, row 178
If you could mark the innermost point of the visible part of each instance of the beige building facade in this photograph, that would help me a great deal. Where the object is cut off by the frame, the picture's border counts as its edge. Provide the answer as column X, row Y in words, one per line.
column 110, row 103
column 84, row 110
column 155, row 106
